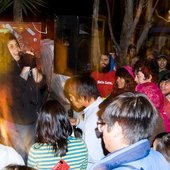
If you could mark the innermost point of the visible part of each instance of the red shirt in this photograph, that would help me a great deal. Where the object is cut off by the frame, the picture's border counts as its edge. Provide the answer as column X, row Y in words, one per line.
column 105, row 82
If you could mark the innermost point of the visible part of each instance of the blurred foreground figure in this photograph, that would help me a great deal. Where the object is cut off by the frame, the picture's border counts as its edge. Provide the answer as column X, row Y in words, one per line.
column 9, row 156
column 18, row 167
column 126, row 124
column 22, row 86
column 161, row 143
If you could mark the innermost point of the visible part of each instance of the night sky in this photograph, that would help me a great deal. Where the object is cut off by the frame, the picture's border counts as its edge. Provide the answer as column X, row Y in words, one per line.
column 74, row 7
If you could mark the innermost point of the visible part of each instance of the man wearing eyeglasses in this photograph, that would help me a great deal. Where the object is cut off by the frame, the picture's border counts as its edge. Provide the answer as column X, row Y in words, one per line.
column 126, row 124
column 83, row 95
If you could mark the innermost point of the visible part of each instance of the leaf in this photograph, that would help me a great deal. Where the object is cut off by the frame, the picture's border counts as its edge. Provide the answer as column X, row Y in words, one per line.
column 4, row 4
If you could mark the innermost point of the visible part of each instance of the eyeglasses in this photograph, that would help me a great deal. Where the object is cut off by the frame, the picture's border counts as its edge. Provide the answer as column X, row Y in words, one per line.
column 100, row 124
column 99, row 128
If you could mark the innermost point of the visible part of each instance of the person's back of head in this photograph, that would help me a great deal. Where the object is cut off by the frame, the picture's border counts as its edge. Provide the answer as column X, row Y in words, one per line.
column 161, row 143
column 18, row 167
column 53, row 126
column 134, row 112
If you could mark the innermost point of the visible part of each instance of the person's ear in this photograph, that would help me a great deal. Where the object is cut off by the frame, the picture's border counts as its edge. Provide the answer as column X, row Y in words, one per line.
column 150, row 78
column 71, row 97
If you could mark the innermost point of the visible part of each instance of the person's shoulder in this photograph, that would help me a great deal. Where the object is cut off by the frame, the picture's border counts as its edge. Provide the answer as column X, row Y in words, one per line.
column 113, row 72
column 158, row 158
column 93, row 73
column 10, row 155
column 150, row 86
column 75, row 140
column 38, row 146
column 7, row 150
column 77, row 143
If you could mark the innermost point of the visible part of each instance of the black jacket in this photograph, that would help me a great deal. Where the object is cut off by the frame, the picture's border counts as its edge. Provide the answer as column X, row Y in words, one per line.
column 26, row 96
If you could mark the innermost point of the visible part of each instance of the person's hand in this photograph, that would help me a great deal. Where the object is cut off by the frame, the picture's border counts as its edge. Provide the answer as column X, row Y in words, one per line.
column 29, row 60
column 33, row 63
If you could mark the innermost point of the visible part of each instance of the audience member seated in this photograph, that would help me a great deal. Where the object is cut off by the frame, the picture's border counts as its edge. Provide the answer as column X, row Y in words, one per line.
column 55, row 147
column 126, row 124
column 161, row 144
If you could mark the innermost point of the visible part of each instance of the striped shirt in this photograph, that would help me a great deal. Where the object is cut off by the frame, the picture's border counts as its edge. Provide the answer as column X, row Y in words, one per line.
column 42, row 157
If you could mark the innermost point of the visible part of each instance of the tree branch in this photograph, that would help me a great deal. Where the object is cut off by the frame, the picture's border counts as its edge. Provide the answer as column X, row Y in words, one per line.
column 110, row 26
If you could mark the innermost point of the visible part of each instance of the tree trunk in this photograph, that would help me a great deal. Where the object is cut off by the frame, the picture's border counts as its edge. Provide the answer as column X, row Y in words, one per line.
column 148, row 23
column 132, row 15
column 17, row 11
column 126, row 26
column 109, row 9
column 95, row 52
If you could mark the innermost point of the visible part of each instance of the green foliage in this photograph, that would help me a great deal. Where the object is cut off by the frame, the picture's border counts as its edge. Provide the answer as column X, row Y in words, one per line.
column 4, row 4
column 26, row 5
column 33, row 5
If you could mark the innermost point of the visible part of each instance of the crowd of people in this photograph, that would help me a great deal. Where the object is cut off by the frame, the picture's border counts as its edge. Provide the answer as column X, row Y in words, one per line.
column 123, row 114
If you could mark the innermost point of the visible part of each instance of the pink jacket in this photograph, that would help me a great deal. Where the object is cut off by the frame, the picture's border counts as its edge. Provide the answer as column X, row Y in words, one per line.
column 155, row 95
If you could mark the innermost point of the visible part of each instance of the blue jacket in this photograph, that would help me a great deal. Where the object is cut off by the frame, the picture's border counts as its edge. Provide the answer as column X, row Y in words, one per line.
column 138, row 156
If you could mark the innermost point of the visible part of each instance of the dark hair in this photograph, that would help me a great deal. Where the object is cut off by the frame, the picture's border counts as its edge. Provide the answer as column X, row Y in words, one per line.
column 107, row 68
column 81, row 86
column 53, row 126
column 18, row 167
column 134, row 112
column 162, row 56
column 5, row 55
column 147, row 67
column 131, row 46
column 165, row 77
column 163, row 144
column 130, row 84
column 11, row 37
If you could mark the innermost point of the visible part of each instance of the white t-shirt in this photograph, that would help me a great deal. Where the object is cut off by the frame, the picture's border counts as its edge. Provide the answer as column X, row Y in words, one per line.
column 9, row 156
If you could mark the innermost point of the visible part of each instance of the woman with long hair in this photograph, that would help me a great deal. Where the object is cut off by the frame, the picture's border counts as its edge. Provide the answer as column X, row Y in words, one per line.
column 54, row 143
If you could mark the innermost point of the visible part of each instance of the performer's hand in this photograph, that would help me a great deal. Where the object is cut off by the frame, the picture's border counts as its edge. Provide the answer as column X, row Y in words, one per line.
column 29, row 60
